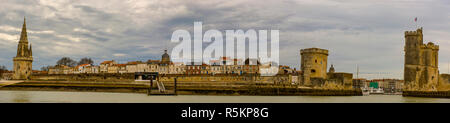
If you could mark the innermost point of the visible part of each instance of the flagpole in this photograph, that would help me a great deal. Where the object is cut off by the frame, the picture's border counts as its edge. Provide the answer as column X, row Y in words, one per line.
column 417, row 25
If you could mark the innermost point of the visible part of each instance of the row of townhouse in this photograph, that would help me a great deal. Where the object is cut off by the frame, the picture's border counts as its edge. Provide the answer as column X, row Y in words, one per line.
column 225, row 66
column 222, row 69
column 85, row 68
column 236, row 66
column 114, row 67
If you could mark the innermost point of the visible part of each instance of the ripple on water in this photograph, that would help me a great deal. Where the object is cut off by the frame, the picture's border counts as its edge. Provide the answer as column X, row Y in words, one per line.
column 98, row 97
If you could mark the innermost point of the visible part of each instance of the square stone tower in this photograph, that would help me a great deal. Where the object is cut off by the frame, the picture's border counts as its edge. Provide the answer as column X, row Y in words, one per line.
column 421, row 62
column 23, row 61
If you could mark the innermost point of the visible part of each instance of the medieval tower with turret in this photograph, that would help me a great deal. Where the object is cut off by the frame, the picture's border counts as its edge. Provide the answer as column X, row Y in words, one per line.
column 313, row 64
column 421, row 62
column 24, row 59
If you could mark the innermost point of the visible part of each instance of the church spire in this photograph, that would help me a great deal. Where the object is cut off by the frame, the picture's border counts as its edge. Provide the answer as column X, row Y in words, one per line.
column 23, row 50
column 31, row 51
column 23, row 34
column 23, row 62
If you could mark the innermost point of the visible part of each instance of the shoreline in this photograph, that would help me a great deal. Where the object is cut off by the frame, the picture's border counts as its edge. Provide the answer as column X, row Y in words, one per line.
column 427, row 94
column 198, row 88
column 187, row 88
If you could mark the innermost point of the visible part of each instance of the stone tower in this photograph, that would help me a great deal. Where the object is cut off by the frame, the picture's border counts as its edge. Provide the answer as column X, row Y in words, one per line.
column 24, row 59
column 313, row 64
column 421, row 62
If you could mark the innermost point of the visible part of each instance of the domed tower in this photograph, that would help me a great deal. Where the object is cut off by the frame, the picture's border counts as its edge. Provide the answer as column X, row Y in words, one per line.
column 331, row 69
column 165, row 60
column 23, row 61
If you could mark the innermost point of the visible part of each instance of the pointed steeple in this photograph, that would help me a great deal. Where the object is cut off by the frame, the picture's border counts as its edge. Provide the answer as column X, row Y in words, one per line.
column 23, row 34
column 31, row 51
column 23, row 50
column 23, row 62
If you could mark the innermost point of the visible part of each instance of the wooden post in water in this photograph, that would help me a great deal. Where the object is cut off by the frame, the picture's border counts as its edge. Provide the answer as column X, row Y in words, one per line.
column 149, row 92
column 175, row 86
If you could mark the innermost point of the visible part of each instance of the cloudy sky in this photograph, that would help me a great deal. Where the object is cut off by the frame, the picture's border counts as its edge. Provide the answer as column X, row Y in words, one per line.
column 367, row 33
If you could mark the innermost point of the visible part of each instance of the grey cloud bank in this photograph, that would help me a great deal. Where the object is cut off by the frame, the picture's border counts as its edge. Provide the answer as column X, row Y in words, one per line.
column 367, row 33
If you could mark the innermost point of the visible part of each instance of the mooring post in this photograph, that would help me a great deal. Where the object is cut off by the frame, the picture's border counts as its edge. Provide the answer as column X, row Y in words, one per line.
column 175, row 85
column 149, row 92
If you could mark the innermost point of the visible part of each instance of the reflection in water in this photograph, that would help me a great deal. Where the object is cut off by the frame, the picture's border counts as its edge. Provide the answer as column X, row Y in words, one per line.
column 98, row 97
column 21, row 97
column 419, row 100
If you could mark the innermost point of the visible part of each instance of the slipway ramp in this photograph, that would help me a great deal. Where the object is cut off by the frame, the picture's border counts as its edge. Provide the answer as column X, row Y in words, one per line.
column 8, row 82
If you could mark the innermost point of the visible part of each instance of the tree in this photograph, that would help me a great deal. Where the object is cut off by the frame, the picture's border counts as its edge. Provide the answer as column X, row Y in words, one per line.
column 45, row 68
column 66, row 61
column 2, row 70
column 85, row 61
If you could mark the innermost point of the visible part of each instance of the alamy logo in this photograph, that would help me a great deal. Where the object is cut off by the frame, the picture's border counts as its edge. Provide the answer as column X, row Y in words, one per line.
column 192, row 52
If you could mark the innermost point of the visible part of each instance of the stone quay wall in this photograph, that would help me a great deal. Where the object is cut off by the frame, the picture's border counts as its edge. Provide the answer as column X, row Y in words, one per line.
column 130, row 77
column 183, row 88
column 111, row 77
column 433, row 94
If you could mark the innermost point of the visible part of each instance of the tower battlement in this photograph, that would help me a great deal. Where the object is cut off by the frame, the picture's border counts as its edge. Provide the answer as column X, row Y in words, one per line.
column 313, row 64
column 418, row 32
column 430, row 45
column 421, row 61
column 314, row 50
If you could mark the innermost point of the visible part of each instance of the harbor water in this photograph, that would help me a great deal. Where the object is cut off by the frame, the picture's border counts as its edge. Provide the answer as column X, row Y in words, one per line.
column 100, row 97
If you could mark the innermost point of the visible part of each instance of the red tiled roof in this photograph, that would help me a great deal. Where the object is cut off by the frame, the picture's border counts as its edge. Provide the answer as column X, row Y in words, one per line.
column 82, row 65
column 224, row 58
column 121, row 65
column 132, row 63
column 153, row 61
column 107, row 62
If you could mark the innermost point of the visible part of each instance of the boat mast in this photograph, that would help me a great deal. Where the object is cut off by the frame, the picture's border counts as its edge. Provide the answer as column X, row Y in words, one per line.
column 357, row 71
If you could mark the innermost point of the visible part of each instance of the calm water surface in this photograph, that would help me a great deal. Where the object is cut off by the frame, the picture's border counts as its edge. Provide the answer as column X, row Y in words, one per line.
column 97, row 97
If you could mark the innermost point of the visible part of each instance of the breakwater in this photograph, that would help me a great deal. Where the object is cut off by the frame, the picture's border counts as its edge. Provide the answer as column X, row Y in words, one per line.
column 183, row 88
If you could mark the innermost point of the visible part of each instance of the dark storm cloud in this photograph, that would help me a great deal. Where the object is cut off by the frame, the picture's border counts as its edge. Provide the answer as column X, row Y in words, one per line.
column 367, row 33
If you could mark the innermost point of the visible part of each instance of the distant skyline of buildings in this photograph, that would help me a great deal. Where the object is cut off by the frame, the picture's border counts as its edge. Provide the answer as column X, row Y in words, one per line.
column 421, row 67
column 225, row 65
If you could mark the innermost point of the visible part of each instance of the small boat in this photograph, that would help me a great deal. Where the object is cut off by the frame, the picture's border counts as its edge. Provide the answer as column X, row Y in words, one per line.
column 365, row 92
column 376, row 91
